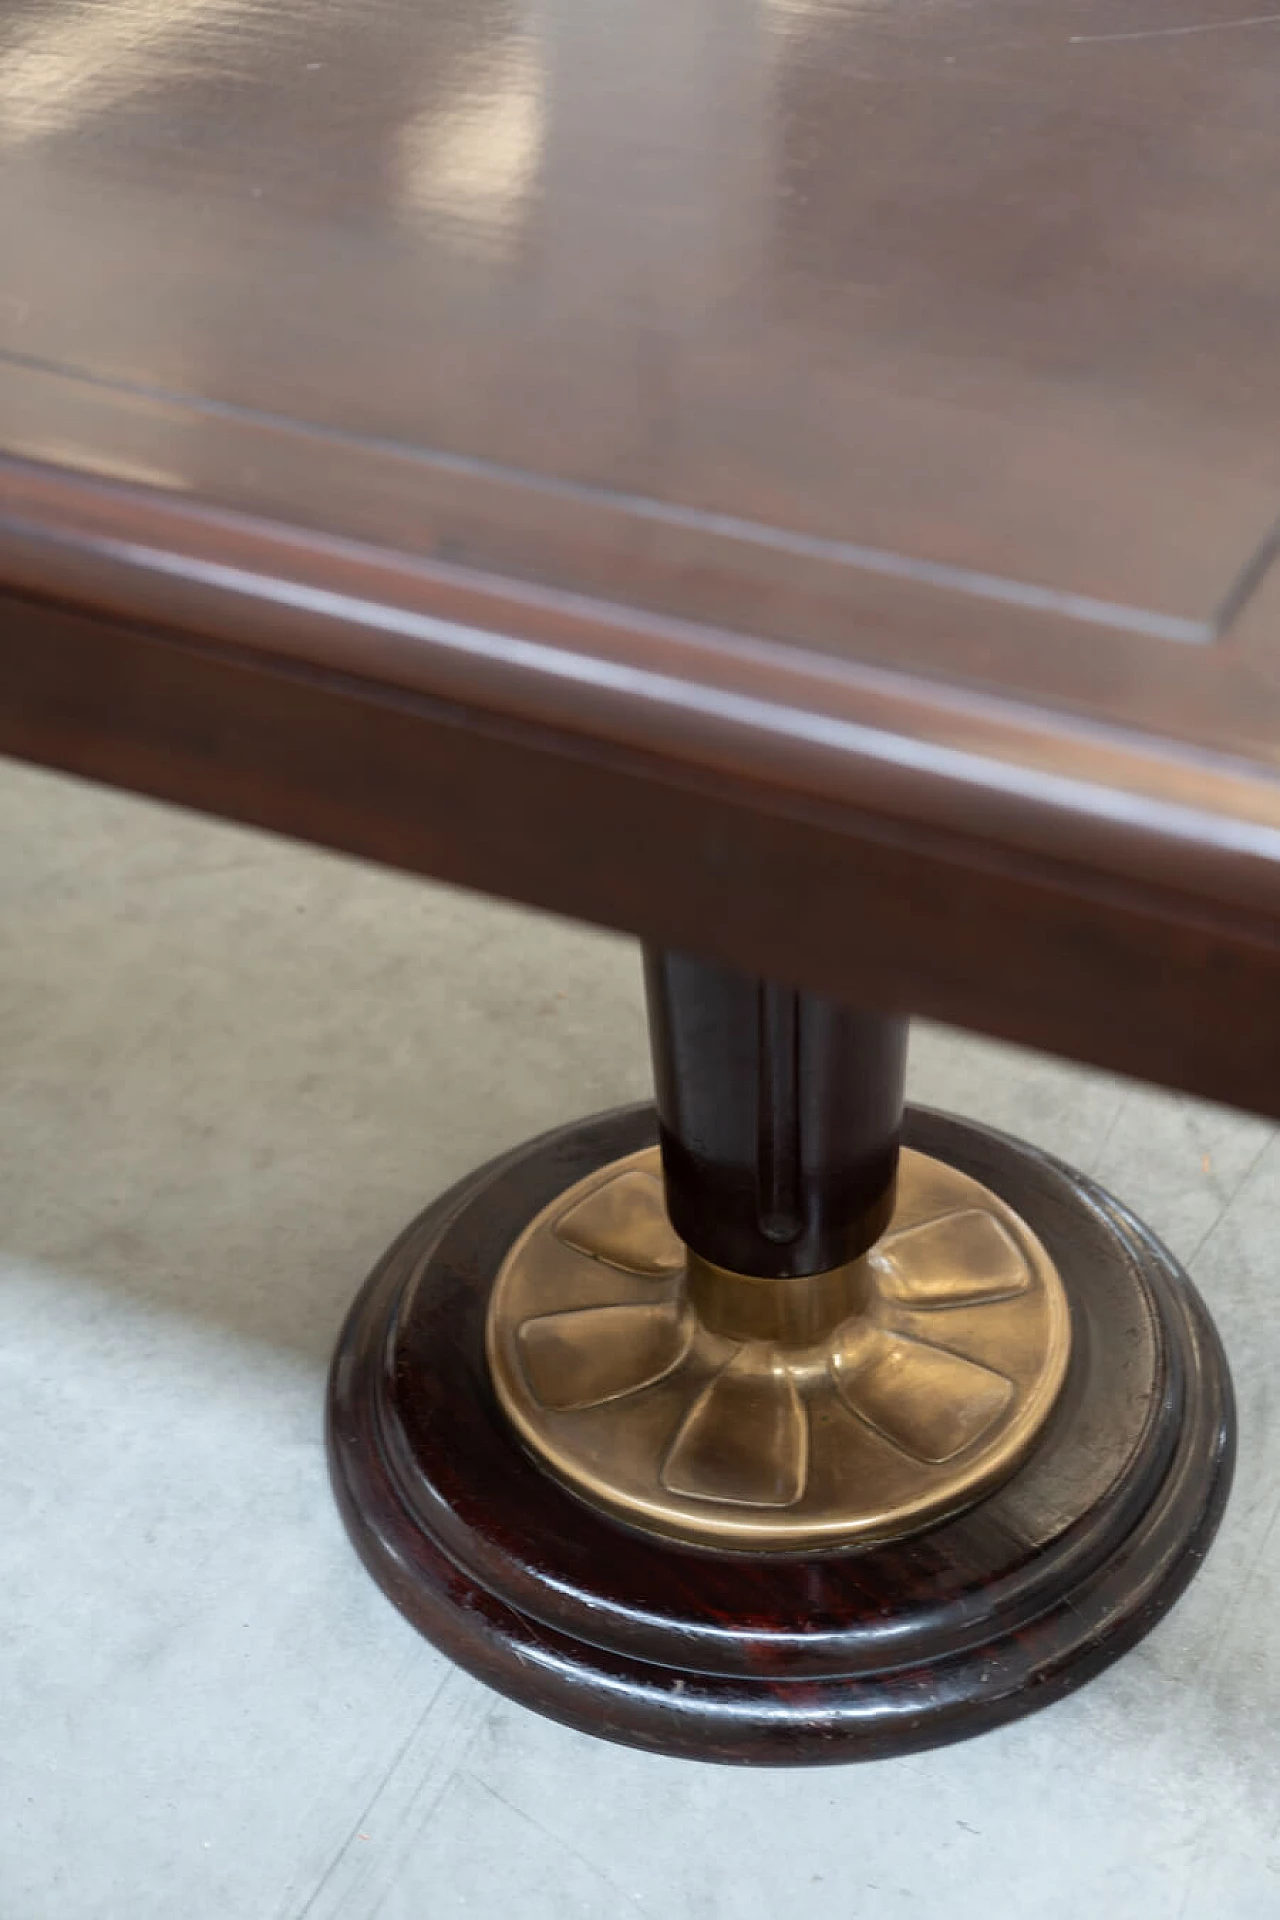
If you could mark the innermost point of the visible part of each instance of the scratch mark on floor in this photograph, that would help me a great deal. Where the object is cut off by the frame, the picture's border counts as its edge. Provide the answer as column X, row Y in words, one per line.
column 1097, row 1158
column 362, row 1821
column 406, row 1820
column 558, row 1840
column 1175, row 33
column 1228, row 1203
column 1193, row 1874
column 1256, row 1558
column 1231, row 1611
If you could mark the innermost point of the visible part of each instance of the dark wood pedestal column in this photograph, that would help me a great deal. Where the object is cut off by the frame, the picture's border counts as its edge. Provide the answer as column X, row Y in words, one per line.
column 780, row 1113
column 780, row 1423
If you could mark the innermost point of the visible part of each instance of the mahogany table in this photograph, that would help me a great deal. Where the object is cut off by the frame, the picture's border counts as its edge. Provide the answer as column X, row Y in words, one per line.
column 796, row 480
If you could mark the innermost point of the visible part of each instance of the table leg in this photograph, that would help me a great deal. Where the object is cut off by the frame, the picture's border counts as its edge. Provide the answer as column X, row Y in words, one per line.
column 781, row 1424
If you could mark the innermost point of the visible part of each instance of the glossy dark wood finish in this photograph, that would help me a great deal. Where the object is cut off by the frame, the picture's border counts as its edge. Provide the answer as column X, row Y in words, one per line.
column 772, row 1658
column 857, row 422
column 780, row 1113
column 1148, row 980
column 981, row 286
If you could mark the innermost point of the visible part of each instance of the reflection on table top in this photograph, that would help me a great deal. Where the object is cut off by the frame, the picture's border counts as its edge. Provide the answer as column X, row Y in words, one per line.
column 985, row 287
column 876, row 397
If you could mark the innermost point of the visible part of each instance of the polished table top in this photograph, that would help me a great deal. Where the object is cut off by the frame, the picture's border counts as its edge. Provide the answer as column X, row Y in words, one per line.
column 847, row 426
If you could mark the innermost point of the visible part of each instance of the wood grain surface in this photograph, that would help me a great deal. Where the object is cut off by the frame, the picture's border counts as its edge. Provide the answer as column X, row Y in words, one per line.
column 835, row 444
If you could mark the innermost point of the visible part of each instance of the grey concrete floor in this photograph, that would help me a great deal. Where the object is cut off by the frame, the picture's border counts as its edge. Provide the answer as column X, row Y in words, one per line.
column 230, row 1069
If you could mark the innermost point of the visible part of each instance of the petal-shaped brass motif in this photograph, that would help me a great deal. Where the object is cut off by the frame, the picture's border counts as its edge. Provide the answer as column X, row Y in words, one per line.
column 745, row 1439
column 931, row 1403
column 625, row 1223
column 593, row 1354
column 958, row 1260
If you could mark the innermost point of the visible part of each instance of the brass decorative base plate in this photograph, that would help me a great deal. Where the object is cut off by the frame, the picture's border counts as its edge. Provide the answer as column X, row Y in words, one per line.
column 787, row 1415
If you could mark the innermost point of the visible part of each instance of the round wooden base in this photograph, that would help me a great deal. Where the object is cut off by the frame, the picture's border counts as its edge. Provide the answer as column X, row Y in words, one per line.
column 777, row 1658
